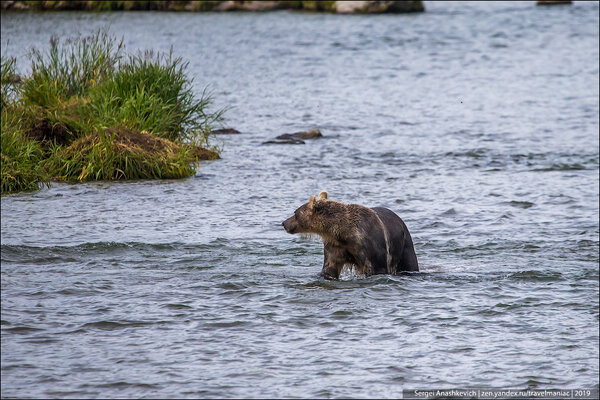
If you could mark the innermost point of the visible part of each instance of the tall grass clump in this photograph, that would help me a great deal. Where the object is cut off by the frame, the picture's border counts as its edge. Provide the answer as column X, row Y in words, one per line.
column 70, row 68
column 20, row 158
column 21, row 167
column 151, row 92
column 8, row 79
column 88, row 111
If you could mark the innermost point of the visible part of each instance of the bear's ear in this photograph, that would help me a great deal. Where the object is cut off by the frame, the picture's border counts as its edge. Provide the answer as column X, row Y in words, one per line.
column 323, row 195
column 311, row 202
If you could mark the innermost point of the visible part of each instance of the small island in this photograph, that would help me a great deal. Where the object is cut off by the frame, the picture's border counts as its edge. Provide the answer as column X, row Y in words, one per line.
column 88, row 111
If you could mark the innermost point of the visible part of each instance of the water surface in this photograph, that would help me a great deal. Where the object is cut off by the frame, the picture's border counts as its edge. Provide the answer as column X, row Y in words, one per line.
column 477, row 124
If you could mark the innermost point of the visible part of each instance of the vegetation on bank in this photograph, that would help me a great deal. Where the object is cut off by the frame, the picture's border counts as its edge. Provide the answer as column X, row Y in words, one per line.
column 197, row 5
column 88, row 111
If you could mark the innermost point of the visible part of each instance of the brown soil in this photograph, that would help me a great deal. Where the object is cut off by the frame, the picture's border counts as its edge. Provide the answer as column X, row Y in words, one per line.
column 141, row 142
column 144, row 140
column 46, row 131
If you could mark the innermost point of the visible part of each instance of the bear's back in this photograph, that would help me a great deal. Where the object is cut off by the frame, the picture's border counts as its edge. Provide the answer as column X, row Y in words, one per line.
column 401, row 249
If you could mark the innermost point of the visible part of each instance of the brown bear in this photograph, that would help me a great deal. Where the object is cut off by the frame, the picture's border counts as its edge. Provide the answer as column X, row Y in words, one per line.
column 373, row 240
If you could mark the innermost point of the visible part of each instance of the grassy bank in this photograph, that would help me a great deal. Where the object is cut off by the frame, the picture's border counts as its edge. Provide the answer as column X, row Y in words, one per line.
column 89, row 111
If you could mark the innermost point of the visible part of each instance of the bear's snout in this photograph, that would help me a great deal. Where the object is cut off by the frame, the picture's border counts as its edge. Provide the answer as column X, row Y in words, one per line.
column 290, row 225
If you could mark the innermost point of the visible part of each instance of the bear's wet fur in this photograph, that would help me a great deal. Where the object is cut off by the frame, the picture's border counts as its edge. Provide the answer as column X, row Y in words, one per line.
column 373, row 240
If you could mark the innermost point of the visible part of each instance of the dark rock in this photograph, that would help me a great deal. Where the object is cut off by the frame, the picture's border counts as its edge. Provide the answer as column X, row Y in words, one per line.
column 377, row 7
column 5, row 5
column 327, row 6
column 295, row 138
column 405, row 7
column 13, row 78
column 201, row 153
column 289, row 140
column 14, row 5
column 225, row 131
column 310, row 134
column 552, row 2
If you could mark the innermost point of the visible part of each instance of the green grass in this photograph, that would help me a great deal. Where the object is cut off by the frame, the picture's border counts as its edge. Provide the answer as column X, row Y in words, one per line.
column 70, row 68
column 21, row 168
column 21, row 157
column 78, row 113
column 8, row 80
column 151, row 92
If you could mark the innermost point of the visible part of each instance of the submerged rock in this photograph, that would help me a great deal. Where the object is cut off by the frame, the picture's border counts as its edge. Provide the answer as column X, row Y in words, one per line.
column 288, row 140
column 225, row 131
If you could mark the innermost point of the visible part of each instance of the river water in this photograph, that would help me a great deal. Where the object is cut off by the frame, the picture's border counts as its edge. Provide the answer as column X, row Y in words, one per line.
column 477, row 124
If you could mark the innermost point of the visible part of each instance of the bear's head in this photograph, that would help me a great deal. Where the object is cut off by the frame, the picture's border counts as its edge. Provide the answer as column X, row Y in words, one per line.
column 306, row 218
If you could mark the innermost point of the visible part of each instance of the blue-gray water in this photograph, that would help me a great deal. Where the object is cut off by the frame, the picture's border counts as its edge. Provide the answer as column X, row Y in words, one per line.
column 477, row 124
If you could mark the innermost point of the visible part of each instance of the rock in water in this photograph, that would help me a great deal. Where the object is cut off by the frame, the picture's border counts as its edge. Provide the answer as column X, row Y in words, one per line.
column 248, row 6
column 310, row 134
column 289, row 140
column 366, row 7
column 225, row 131
column 552, row 2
